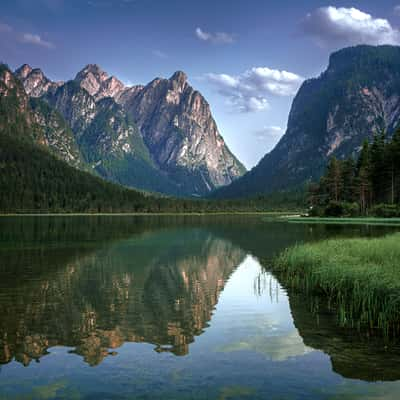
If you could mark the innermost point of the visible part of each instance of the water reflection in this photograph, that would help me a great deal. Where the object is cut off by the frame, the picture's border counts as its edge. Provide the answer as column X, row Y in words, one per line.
column 95, row 285
column 353, row 355
column 159, row 288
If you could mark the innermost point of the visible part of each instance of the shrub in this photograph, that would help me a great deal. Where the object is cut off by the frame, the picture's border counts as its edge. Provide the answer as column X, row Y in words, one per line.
column 341, row 209
column 386, row 211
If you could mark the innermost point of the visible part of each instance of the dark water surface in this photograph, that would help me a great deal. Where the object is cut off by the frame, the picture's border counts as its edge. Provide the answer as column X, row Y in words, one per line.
column 172, row 308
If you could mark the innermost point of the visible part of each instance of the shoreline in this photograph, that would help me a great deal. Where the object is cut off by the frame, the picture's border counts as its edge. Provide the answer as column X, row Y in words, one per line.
column 282, row 214
column 344, row 220
column 358, row 276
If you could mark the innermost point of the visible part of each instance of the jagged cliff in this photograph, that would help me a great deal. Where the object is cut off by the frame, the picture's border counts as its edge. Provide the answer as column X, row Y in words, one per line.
column 356, row 97
column 159, row 137
column 181, row 133
column 34, row 119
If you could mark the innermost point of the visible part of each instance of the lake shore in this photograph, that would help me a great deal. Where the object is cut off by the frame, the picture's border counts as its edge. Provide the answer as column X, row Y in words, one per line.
column 360, row 278
column 283, row 214
column 344, row 220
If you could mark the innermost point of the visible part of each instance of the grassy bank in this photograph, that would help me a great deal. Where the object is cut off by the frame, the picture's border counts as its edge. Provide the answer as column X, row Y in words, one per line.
column 359, row 277
column 345, row 221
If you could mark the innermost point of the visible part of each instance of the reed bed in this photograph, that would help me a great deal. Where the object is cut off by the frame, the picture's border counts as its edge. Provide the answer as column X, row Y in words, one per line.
column 360, row 278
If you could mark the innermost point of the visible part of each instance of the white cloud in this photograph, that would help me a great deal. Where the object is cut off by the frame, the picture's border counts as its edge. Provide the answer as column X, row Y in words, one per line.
column 249, row 91
column 159, row 54
column 217, row 37
column 348, row 26
column 269, row 132
column 396, row 10
column 30, row 38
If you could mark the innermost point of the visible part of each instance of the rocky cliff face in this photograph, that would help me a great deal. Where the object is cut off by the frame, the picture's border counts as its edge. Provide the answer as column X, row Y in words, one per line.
column 162, row 136
column 181, row 134
column 356, row 97
column 35, row 82
column 57, row 134
column 35, row 119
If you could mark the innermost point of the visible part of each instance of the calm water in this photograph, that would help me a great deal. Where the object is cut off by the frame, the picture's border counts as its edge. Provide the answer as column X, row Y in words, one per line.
column 172, row 308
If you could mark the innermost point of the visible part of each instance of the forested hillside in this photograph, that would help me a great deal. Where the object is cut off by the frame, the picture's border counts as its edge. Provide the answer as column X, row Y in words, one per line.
column 368, row 186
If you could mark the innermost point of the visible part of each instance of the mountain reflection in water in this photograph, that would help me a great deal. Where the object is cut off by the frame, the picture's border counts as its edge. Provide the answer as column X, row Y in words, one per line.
column 159, row 287
column 93, row 284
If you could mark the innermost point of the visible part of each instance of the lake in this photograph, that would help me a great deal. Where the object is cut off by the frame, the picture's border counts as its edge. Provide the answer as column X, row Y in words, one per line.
column 162, row 307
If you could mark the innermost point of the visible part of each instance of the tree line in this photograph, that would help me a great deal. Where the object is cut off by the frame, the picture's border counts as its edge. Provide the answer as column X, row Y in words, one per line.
column 366, row 186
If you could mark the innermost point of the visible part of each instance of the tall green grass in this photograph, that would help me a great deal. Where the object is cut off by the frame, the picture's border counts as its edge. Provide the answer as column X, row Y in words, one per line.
column 358, row 277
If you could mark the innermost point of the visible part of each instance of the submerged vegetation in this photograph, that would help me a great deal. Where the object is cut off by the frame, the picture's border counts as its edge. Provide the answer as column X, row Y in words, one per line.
column 359, row 277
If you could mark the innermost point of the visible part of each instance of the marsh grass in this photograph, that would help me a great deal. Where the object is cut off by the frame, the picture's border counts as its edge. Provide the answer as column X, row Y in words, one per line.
column 360, row 278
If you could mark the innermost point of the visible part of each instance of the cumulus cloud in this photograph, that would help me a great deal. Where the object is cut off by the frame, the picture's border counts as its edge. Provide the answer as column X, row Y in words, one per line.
column 249, row 91
column 36, row 40
column 269, row 132
column 348, row 26
column 217, row 37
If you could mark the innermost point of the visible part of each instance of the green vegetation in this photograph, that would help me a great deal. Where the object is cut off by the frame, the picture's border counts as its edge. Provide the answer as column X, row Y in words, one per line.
column 350, row 69
column 359, row 277
column 370, row 186
column 345, row 220
column 33, row 180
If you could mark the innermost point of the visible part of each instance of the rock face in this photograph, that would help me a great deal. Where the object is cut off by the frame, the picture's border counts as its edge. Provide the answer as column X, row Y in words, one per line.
column 35, row 82
column 35, row 119
column 160, row 137
column 356, row 97
column 57, row 135
column 181, row 134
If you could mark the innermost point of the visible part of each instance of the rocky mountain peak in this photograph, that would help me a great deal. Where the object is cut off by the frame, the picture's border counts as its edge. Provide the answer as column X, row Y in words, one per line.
column 23, row 71
column 163, row 131
column 98, row 83
column 178, row 80
column 34, row 80
column 93, row 69
column 91, row 78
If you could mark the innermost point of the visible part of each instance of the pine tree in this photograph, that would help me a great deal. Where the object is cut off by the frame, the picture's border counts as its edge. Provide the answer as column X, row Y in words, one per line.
column 377, row 168
column 333, row 179
column 364, row 178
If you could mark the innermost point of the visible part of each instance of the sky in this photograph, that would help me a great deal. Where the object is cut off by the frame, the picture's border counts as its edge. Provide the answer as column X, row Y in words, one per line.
column 247, row 57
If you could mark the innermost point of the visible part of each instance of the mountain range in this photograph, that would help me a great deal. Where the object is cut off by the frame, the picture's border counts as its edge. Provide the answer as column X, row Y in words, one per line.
column 160, row 137
column 357, row 97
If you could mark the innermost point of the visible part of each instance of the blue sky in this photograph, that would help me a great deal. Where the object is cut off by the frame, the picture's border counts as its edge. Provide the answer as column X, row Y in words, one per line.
column 247, row 57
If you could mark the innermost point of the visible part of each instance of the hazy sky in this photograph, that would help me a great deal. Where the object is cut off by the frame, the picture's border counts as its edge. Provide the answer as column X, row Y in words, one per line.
column 247, row 57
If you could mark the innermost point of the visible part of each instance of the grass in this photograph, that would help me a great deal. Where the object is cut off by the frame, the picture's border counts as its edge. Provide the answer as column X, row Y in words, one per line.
column 359, row 277
column 345, row 221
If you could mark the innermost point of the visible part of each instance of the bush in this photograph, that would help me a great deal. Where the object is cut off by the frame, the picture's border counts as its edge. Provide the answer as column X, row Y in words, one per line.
column 341, row 209
column 316, row 211
column 386, row 211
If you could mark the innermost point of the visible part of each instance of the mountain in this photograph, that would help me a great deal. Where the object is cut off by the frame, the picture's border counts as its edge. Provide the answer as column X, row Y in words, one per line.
column 181, row 134
column 159, row 137
column 34, row 172
column 355, row 98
